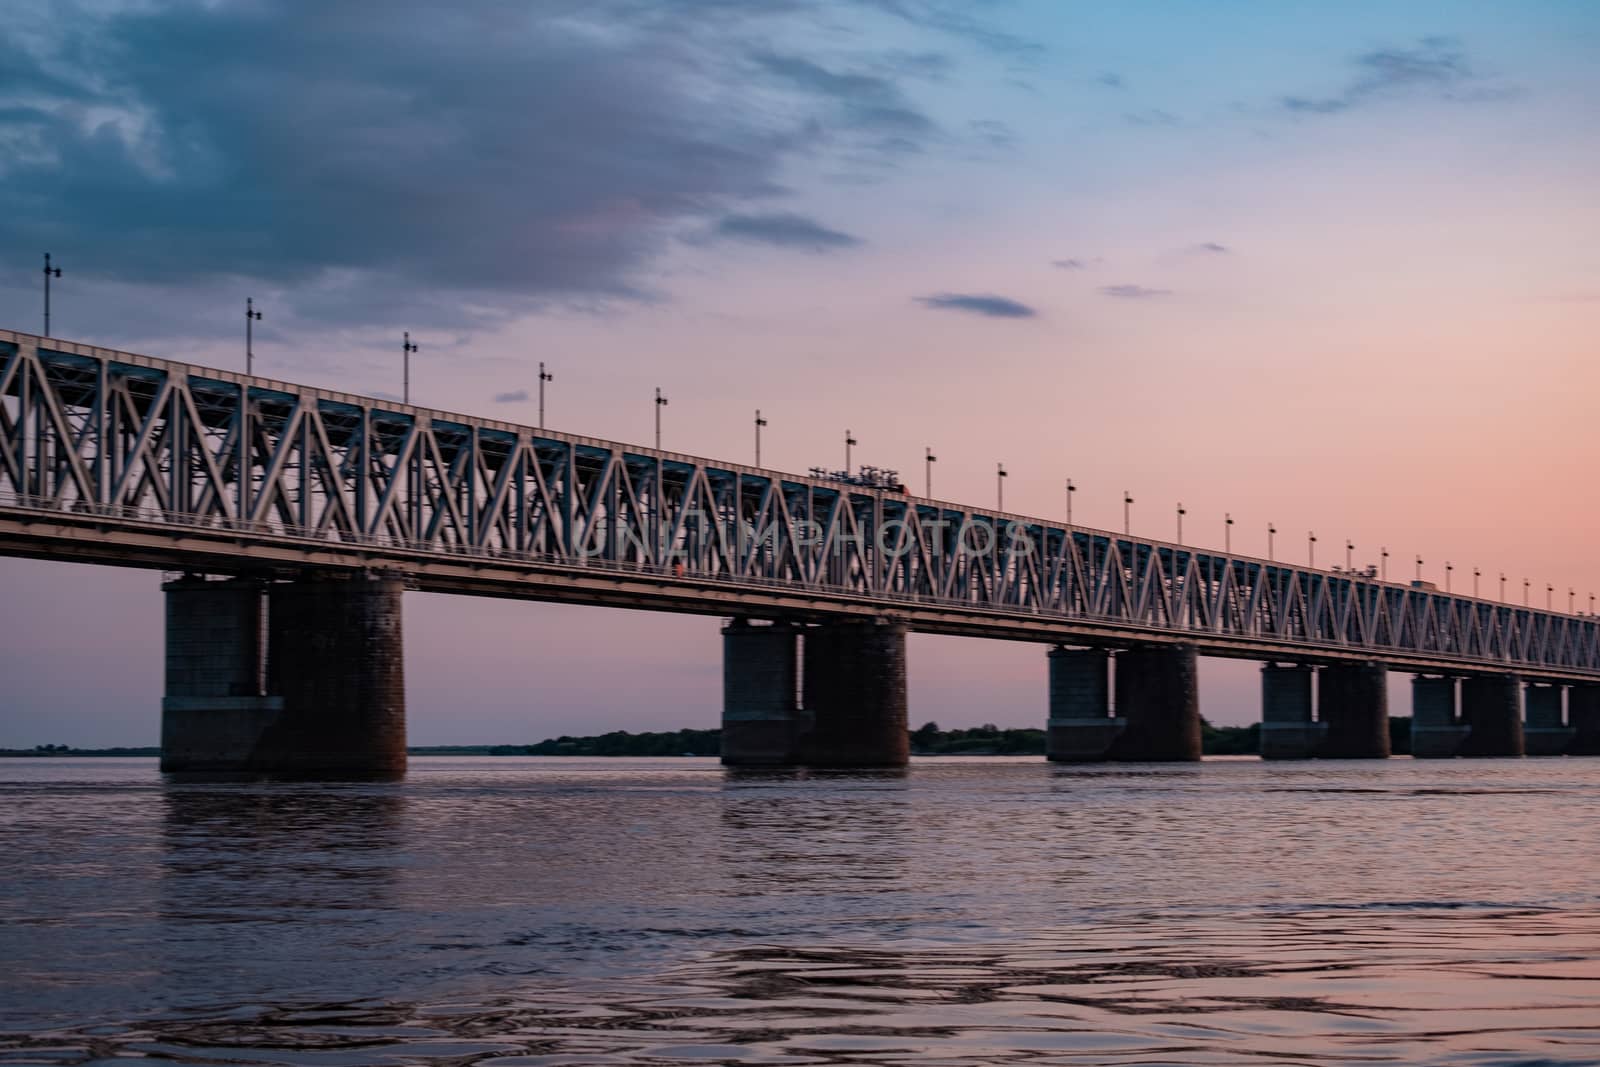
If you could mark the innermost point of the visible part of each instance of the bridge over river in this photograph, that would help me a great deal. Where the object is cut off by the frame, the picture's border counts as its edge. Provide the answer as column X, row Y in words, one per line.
column 298, row 516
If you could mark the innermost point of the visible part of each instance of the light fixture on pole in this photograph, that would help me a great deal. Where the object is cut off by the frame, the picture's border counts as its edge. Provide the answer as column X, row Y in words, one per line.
column 1570, row 597
column 1448, row 567
column 849, row 442
column 544, row 376
column 406, row 348
column 661, row 402
column 251, row 317
column 1549, row 594
column 1383, row 565
column 1475, row 573
column 1271, row 532
column 1311, row 548
column 1070, row 490
column 1227, row 534
column 49, row 272
column 1127, row 512
column 760, row 422
column 999, row 486
column 1181, row 514
column 1349, row 547
column 1525, row 586
column 1502, row 587
column 1419, row 568
column 928, row 460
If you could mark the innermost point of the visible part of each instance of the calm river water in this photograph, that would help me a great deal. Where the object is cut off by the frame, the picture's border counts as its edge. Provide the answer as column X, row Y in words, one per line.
column 970, row 911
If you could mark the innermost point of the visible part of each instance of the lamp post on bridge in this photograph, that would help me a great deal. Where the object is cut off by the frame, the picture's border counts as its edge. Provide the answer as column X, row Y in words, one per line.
column 1181, row 514
column 1419, row 568
column 1549, row 595
column 1127, row 513
column 1227, row 534
column 1448, row 567
column 1349, row 547
column 251, row 317
column 1271, row 530
column 999, row 486
column 1383, row 564
column 1570, row 595
column 1502, row 587
column 661, row 402
column 1525, row 586
column 1475, row 573
column 544, row 376
column 928, row 460
column 1311, row 549
column 760, row 422
column 1070, row 490
column 406, row 348
column 49, row 272
column 849, row 442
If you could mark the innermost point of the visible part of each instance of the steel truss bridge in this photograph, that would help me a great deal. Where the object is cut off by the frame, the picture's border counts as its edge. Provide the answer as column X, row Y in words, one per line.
column 114, row 458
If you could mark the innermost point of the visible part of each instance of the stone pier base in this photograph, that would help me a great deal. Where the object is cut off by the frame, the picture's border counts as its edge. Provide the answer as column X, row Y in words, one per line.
column 1583, row 715
column 1080, row 727
column 1435, row 731
column 1353, row 700
column 855, row 694
column 1492, row 706
column 1287, row 728
column 1158, row 698
column 1543, row 732
column 761, row 719
column 330, row 699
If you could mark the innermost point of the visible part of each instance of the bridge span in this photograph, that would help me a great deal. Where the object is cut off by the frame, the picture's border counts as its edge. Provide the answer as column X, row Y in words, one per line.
column 298, row 515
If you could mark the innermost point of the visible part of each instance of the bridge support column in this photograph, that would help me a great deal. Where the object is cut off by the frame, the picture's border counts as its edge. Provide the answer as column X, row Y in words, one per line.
column 1543, row 732
column 1287, row 730
column 1435, row 731
column 761, row 721
column 1158, row 697
column 855, row 694
column 214, row 714
column 1080, row 727
column 1492, row 705
column 336, row 658
column 1353, row 700
column 1583, row 715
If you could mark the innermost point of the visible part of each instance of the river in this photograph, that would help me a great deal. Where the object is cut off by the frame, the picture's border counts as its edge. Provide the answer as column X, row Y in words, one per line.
column 968, row 911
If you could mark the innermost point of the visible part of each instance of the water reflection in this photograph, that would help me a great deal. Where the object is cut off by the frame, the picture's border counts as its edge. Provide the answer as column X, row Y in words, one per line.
column 268, row 851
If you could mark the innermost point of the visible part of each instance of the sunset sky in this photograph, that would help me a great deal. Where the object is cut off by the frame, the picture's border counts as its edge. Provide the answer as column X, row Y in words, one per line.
column 1332, row 266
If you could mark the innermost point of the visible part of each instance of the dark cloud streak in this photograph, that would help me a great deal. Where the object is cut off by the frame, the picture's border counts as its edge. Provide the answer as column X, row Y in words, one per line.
column 987, row 304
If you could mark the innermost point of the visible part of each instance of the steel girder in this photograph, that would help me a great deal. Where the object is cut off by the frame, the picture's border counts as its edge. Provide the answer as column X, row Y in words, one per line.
column 123, row 437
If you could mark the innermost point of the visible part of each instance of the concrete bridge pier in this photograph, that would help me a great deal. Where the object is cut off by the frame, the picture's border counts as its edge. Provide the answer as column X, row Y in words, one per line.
column 1583, row 715
column 1491, row 705
column 1287, row 728
column 1436, row 733
column 1353, row 700
column 1543, row 732
column 761, row 719
column 1080, row 727
column 312, row 685
column 215, row 709
column 335, row 656
column 1158, row 698
column 855, row 694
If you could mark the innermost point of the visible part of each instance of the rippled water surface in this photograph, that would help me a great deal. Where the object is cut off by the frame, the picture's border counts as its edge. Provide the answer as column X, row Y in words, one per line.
column 552, row 911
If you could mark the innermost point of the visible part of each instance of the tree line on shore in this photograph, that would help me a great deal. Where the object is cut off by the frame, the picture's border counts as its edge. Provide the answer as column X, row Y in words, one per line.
column 926, row 740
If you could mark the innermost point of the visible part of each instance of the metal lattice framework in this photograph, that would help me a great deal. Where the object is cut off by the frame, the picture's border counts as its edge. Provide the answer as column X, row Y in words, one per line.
column 217, row 466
